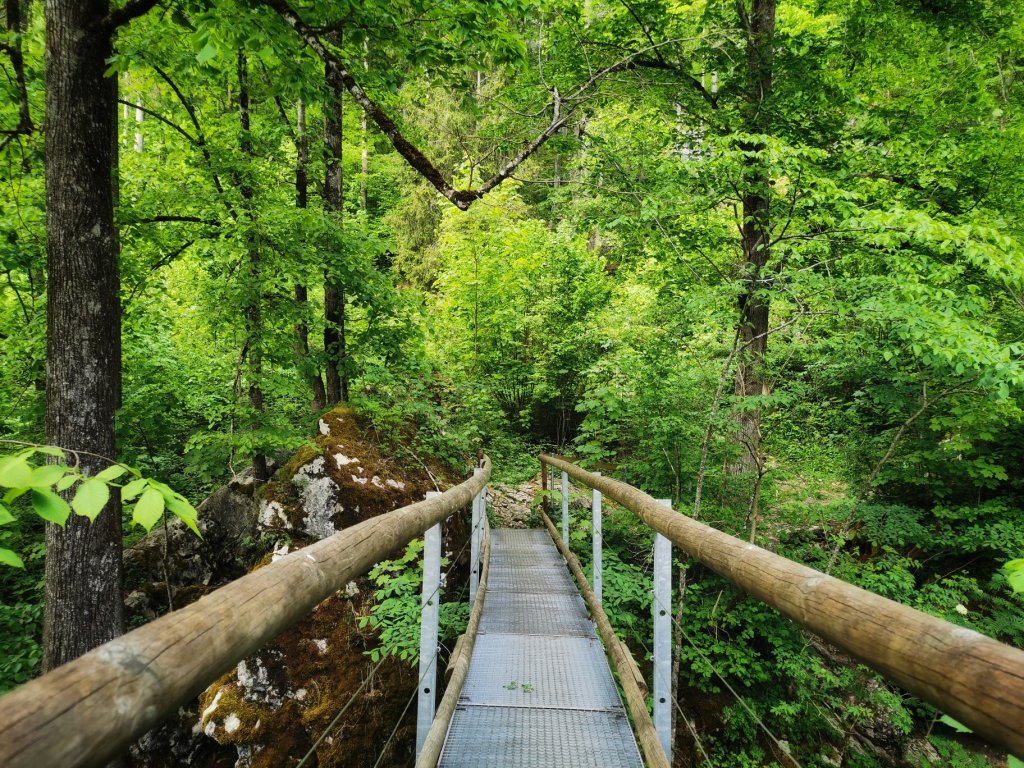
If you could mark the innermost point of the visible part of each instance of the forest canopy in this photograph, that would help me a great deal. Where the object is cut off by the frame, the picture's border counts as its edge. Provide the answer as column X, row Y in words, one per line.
column 765, row 258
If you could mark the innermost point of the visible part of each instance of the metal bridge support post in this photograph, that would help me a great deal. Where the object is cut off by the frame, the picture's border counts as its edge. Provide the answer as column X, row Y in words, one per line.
column 429, row 605
column 597, row 577
column 663, row 639
column 481, row 529
column 565, row 508
column 474, row 544
column 551, row 484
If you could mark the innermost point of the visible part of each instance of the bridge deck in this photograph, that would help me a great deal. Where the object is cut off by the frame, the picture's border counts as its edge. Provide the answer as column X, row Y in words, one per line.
column 539, row 693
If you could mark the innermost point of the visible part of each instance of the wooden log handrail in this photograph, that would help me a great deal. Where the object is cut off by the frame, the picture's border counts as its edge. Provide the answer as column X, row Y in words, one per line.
column 969, row 676
column 89, row 711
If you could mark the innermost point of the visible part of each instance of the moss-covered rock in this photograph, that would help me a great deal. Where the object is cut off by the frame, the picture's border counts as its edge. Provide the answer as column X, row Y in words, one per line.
column 275, row 704
column 344, row 480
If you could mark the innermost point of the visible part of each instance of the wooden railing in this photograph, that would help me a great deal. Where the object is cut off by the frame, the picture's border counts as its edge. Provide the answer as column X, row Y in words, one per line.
column 89, row 711
column 974, row 679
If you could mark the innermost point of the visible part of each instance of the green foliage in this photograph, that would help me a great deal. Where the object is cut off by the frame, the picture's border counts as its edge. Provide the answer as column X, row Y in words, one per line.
column 20, row 654
column 395, row 613
column 43, row 484
column 591, row 301
column 1014, row 571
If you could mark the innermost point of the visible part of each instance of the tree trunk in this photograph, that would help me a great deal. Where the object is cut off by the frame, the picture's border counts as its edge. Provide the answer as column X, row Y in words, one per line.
column 253, row 310
column 334, row 292
column 83, row 561
column 301, row 346
column 754, row 302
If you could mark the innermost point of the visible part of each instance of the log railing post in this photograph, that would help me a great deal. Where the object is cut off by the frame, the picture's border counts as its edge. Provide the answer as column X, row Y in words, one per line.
column 90, row 710
column 973, row 678
column 429, row 615
column 544, row 486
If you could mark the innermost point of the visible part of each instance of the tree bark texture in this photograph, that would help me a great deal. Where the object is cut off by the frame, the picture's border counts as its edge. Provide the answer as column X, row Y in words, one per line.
column 301, row 346
column 83, row 606
column 334, row 200
column 253, row 310
column 754, row 302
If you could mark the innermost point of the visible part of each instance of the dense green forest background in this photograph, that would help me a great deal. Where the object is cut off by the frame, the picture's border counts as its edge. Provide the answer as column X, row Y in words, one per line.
column 764, row 259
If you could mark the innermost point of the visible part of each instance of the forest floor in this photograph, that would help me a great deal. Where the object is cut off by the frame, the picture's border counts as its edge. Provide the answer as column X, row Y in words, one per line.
column 511, row 504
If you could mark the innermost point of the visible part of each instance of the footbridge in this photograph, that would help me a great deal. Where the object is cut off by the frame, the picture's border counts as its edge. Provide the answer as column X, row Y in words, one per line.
column 539, row 678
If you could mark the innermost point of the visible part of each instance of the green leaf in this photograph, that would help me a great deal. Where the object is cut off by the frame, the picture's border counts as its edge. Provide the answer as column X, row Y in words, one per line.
column 5, row 515
column 49, row 506
column 67, row 481
column 13, row 494
column 51, row 450
column 9, row 558
column 954, row 724
column 1014, row 571
column 180, row 507
column 208, row 52
column 148, row 509
column 112, row 472
column 91, row 497
column 45, row 476
column 1013, row 762
column 15, row 472
column 133, row 489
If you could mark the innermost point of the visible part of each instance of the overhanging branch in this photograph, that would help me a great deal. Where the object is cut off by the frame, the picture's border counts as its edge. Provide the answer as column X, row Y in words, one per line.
column 562, row 109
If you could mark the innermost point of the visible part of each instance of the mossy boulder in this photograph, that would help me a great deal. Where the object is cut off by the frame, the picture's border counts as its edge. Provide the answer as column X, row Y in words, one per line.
column 271, row 708
column 342, row 479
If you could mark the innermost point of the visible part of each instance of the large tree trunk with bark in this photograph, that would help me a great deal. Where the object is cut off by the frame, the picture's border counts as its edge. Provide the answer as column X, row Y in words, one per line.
column 83, row 560
column 253, row 309
column 754, row 302
column 334, row 292
column 301, row 346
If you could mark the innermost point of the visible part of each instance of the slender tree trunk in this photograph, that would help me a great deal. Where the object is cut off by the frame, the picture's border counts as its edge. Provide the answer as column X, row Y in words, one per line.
column 334, row 292
column 754, row 303
column 301, row 346
column 253, row 310
column 83, row 605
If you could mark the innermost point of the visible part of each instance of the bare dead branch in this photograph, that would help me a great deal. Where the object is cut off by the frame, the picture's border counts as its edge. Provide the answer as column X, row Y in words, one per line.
column 561, row 107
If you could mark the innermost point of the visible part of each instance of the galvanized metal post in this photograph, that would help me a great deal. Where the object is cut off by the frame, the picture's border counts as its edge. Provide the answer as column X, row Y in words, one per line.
column 565, row 508
column 663, row 638
column 481, row 528
column 598, row 574
column 429, row 604
column 551, row 485
column 474, row 545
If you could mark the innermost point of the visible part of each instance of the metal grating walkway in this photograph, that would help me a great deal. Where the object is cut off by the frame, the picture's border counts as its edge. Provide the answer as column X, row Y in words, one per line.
column 539, row 693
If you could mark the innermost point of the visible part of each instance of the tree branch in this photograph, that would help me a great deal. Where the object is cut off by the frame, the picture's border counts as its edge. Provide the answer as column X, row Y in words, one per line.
column 461, row 198
column 131, row 10
column 15, row 23
column 157, row 116
column 200, row 137
column 173, row 218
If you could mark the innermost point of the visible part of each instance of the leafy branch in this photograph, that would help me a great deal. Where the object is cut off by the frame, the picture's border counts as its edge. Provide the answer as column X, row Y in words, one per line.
column 48, row 485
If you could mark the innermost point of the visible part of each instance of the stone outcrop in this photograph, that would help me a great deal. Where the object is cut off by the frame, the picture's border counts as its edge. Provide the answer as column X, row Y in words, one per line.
column 273, row 706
